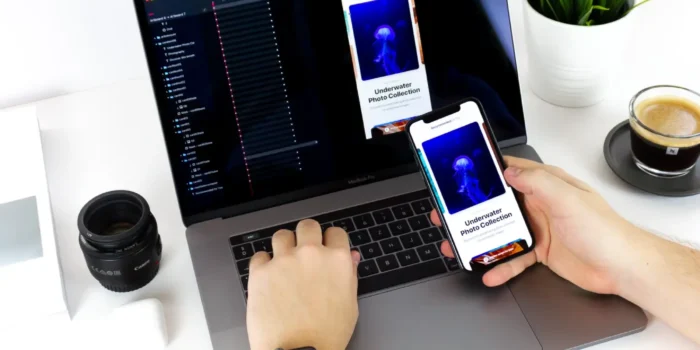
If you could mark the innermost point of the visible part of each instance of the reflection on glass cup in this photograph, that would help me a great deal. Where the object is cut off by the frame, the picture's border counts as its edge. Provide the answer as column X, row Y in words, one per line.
column 665, row 123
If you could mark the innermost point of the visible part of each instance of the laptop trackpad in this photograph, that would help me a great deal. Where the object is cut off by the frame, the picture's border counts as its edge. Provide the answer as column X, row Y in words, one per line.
column 447, row 313
column 564, row 316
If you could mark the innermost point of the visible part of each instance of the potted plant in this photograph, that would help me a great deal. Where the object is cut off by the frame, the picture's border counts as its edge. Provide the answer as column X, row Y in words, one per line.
column 575, row 47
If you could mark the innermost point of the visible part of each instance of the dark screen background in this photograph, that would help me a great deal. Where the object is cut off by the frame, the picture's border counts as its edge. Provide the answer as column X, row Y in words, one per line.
column 463, row 55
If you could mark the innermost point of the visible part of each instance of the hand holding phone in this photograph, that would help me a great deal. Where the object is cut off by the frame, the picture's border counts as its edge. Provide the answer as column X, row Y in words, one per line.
column 463, row 169
column 578, row 234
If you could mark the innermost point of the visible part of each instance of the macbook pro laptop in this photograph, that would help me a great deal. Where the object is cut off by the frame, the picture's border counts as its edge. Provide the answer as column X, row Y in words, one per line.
column 279, row 110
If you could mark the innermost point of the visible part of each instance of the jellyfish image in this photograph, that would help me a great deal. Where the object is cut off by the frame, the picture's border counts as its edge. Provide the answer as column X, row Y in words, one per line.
column 467, row 181
column 384, row 49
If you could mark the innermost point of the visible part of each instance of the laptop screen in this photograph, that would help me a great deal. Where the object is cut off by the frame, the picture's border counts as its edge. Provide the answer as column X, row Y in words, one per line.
column 268, row 101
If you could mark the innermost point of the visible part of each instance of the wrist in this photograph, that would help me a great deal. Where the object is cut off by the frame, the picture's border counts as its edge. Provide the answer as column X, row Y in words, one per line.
column 305, row 347
column 640, row 257
column 298, row 342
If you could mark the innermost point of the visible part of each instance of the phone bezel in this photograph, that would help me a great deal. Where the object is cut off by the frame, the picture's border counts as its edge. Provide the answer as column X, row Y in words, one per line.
column 445, row 112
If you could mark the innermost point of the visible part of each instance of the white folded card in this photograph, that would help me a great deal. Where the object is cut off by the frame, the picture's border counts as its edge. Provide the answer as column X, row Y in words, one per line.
column 30, row 275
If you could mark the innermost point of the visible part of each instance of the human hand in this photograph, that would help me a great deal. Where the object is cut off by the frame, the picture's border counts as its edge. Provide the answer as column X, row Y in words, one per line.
column 578, row 235
column 307, row 294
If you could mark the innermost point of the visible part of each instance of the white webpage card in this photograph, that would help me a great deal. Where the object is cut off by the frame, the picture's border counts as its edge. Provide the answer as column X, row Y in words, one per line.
column 30, row 274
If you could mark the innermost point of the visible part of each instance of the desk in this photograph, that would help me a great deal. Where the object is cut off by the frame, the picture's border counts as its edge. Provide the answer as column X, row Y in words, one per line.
column 110, row 138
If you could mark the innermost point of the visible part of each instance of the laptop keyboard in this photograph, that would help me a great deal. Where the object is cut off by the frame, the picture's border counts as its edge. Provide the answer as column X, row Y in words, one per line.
column 395, row 237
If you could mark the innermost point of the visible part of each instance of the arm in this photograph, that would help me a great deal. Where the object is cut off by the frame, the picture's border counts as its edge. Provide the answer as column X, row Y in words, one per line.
column 664, row 278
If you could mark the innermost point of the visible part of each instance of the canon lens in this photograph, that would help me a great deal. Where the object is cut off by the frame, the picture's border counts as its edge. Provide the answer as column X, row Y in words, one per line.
column 120, row 241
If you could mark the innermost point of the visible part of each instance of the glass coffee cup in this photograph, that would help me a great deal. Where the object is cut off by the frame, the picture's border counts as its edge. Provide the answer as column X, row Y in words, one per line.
column 665, row 122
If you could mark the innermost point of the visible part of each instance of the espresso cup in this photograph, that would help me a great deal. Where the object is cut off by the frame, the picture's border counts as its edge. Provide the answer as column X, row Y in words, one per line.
column 665, row 123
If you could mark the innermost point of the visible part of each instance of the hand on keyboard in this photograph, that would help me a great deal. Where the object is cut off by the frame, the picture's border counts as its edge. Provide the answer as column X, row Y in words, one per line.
column 307, row 294
column 397, row 243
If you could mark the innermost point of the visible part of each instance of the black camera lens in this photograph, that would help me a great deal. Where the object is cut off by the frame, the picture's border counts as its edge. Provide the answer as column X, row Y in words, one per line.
column 120, row 241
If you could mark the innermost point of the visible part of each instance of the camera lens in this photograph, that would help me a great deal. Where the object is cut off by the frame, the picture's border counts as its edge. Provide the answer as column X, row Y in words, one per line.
column 120, row 241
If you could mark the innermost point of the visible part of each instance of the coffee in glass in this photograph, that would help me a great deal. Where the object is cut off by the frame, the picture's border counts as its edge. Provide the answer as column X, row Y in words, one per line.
column 665, row 123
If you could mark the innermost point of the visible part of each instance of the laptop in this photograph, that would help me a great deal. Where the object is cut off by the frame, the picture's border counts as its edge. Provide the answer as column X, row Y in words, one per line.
column 279, row 110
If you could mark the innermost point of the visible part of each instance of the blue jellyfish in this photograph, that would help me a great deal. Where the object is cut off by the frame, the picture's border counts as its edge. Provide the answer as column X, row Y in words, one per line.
column 467, row 181
column 462, row 166
column 384, row 49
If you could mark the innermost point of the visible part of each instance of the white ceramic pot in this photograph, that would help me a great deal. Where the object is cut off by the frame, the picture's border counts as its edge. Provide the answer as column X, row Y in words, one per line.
column 573, row 66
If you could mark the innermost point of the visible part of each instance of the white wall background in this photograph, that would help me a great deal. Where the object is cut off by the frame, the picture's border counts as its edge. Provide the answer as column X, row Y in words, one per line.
column 54, row 47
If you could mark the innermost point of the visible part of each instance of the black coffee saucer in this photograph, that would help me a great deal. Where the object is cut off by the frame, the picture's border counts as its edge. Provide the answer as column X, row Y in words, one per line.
column 618, row 154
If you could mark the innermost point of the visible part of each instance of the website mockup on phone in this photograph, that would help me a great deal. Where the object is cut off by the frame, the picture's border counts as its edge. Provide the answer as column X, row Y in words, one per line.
column 479, row 208
column 387, row 58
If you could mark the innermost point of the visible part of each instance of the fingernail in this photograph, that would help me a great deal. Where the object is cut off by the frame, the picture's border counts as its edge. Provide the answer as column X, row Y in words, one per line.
column 513, row 171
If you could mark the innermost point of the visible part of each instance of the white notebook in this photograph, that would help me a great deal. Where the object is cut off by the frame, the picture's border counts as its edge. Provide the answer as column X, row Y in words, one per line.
column 30, row 274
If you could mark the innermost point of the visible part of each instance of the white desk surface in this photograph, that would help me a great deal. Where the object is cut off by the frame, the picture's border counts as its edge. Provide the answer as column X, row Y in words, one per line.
column 110, row 138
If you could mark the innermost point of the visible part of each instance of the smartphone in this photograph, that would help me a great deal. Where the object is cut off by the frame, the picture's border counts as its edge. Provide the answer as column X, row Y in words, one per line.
column 463, row 168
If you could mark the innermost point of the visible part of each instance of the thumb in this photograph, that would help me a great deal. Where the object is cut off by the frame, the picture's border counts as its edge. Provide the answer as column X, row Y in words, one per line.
column 355, row 260
column 355, row 257
column 540, row 184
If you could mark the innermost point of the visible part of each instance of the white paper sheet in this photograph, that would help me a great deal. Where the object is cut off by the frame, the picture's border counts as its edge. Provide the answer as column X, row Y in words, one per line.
column 30, row 281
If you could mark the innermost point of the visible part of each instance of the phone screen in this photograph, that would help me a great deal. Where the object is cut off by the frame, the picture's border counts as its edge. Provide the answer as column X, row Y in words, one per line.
column 464, row 172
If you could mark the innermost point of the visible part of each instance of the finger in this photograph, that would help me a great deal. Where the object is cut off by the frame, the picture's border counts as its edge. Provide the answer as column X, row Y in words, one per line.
column 336, row 237
column 258, row 259
column 504, row 272
column 356, row 257
column 446, row 249
column 541, row 184
column 435, row 218
column 522, row 163
column 283, row 242
column 309, row 232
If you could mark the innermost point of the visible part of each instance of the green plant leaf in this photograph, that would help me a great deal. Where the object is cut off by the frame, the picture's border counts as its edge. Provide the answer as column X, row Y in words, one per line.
column 616, row 7
column 616, row 11
column 585, row 12
column 581, row 8
column 551, row 8
column 567, row 7
column 585, row 18
column 606, row 3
